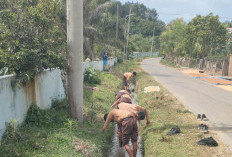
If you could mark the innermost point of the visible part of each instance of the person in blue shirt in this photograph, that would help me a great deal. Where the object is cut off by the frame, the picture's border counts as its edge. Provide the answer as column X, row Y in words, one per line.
column 105, row 61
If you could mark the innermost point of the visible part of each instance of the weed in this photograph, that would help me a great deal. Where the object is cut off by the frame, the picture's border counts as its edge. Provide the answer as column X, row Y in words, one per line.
column 165, row 139
column 169, row 63
column 70, row 124
column 91, row 76
column 35, row 116
column 12, row 130
column 183, row 111
column 166, row 112
column 51, row 132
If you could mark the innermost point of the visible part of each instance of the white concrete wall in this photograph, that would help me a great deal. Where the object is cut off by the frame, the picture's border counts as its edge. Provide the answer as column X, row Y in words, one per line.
column 48, row 86
column 98, row 65
column 14, row 101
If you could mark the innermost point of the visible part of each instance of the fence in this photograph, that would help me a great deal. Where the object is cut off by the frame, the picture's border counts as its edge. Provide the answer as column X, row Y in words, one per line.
column 143, row 54
column 48, row 85
column 98, row 65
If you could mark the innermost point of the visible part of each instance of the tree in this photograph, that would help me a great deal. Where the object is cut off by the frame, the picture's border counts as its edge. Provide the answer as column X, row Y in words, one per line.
column 101, row 36
column 228, row 23
column 139, row 44
column 31, row 40
column 92, row 9
column 173, row 37
column 208, row 34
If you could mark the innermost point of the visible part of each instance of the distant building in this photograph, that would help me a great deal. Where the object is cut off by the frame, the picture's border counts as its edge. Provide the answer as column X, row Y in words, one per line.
column 229, row 30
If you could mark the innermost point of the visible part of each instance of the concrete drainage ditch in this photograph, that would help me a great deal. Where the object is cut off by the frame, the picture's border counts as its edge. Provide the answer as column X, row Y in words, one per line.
column 117, row 151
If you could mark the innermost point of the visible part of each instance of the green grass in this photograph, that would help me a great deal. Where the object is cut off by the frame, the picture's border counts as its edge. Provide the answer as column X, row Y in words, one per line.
column 53, row 133
column 166, row 112
column 169, row 63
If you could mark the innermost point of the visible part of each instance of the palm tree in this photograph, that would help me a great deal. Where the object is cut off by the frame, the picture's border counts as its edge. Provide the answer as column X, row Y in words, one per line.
column 92, row 9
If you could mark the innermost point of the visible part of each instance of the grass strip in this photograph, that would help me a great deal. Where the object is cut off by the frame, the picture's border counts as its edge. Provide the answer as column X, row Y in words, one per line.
column 53, row 133
column 166, row 112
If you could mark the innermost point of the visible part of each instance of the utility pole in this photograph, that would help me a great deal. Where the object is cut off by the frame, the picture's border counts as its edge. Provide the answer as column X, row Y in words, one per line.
column 128, row 32
column 75, row 57
column 117, row 25
column 152, row 39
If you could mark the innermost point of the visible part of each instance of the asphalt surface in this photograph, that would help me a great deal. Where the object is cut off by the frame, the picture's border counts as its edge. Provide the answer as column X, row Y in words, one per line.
column 196, row 95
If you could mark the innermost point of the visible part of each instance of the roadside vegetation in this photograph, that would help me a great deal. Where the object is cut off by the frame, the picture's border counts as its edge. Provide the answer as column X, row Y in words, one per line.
column 169, row 63
column 54, row 133
column 33, row 38
column 203, row 43
column 165, row 113
column 204, row 37
column 35, row 32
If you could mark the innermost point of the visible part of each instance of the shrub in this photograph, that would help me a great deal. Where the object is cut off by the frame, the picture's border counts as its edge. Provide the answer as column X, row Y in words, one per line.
column 91, row 76
column 32, row 37
column 119, row 59
column 39, row 117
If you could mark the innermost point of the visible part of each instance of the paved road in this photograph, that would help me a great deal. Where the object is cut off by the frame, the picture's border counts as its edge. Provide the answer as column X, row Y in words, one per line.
column 198, row 96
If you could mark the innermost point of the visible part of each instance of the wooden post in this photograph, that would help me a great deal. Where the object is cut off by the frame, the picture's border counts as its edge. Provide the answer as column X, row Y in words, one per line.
column 230, row 66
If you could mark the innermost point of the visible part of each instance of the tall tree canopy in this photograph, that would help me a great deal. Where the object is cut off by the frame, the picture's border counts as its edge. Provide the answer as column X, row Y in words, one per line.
column 203, row 36
column 207, row 32
column 142, row 25
column 32, row 36
column 172, row 39
column 33, row 32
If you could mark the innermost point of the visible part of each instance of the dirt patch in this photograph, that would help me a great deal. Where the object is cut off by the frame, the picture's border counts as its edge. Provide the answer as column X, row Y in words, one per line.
column 221, row 83
column 198, row 74
column 193, row 72
column 225, row 87
column 217, row 81
column 81, row 146
column 176, row 106
column 189, row 71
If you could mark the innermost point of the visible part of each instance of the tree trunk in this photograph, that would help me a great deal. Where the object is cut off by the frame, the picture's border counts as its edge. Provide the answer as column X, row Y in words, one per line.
column 88, row 48
column 117, row 25
column 225, row 67
column 128, row 34
column 201, row 64
column 177, row 60
column 75, row 57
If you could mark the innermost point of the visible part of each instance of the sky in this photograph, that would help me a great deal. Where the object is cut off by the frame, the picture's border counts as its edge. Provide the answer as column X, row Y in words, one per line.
column 169, row 10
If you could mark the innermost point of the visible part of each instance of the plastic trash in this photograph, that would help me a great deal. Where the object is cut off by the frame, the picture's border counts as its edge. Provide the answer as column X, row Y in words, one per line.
column 208, row 141
column 151, row 89
column 175, row 130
